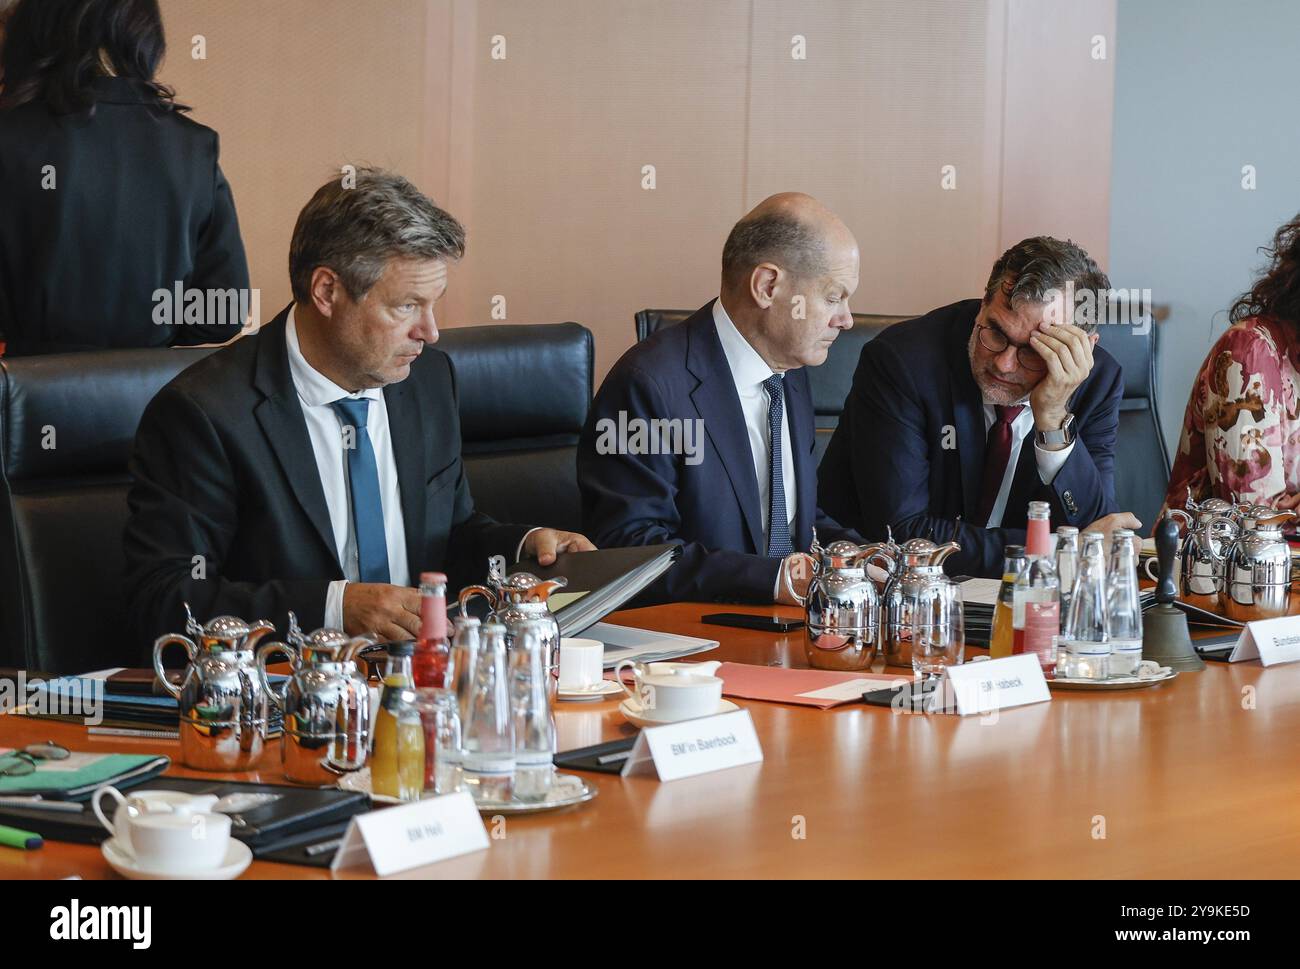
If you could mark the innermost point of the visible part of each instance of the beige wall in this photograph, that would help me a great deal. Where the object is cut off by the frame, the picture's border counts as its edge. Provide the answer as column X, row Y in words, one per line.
column 541, row 153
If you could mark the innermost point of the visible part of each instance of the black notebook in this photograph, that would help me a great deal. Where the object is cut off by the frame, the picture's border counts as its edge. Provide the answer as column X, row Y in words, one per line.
column 607, row 579
column 267, row 828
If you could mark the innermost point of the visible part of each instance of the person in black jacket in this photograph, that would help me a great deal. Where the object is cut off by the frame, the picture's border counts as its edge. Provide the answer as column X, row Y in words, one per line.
column 119, row 229
column 315, row 465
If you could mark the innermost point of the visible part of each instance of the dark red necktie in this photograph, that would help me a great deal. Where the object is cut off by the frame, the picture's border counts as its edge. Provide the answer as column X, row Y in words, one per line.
column 997, row 452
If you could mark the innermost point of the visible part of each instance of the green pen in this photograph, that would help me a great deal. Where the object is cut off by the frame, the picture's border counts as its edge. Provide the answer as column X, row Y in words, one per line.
column 14, row 838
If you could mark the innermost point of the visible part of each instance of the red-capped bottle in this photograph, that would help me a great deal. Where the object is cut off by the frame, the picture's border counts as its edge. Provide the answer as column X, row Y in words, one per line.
column 1036, row 601
column 429, row 667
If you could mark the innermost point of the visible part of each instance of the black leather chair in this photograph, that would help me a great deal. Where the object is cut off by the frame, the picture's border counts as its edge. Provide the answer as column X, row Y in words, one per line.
column 524, row 393
column 67, row 423
column 830, row 383
column 1141, row 461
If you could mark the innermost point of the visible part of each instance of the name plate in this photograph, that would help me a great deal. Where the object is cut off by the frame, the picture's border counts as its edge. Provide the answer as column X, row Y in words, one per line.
column 420, row 833
column 997, row 684
column 1271, row 641
column 693, row 747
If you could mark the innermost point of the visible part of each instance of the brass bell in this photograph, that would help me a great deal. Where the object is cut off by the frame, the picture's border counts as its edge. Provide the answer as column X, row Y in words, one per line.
column 1165, row 639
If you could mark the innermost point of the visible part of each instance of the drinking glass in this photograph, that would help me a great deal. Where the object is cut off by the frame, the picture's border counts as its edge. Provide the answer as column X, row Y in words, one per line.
column 440, row 720
column 938, row 629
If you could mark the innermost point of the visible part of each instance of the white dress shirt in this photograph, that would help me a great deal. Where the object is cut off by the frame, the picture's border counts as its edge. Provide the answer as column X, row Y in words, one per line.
column 749, row 370
column 1049, row 462
column 316, row 392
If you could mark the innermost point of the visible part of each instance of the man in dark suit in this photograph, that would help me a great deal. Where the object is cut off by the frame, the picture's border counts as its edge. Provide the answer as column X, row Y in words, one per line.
column 703, row 434
column 957, row 420
column 275, row 474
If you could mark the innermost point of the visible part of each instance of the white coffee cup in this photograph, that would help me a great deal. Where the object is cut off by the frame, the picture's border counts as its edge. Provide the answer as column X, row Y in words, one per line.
column 141, row 803
column 179, row 843
column 676, row 695
column 581, row 663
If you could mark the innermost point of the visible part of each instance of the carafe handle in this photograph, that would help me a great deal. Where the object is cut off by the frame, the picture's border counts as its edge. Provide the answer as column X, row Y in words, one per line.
column 807, row 562
column 470, row 591
column 263, row 654
column 159, row 645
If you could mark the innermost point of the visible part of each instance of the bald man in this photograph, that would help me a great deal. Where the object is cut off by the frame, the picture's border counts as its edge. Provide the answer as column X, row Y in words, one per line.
column 703, row 434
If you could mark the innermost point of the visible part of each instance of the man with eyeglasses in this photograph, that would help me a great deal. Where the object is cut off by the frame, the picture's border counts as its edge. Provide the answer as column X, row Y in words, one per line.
column 958, row 419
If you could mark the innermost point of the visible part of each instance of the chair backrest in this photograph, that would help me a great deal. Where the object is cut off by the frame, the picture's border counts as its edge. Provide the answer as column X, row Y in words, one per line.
column 524, row 395
column 1141, row 461
column 830, row 382
column 67, row 424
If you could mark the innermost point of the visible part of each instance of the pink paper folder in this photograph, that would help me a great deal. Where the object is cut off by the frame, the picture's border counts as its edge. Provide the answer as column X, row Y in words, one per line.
column 777, row 684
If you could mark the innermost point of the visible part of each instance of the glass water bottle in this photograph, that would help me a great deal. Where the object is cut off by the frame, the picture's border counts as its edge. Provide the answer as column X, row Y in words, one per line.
column 465, row 639
column 488, row 732
column 1087, row 630
column 1067, row 565
column 1125, row 605
column 534, row 727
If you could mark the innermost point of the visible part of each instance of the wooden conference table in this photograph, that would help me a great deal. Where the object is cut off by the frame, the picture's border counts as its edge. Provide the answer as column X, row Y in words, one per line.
column 1195, row 778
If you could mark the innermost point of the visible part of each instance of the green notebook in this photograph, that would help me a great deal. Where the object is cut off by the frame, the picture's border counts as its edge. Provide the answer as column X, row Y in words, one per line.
column 77, row 777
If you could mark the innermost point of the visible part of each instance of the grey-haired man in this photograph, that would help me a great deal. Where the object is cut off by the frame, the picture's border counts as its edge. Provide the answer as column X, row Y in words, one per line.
column 316, row 466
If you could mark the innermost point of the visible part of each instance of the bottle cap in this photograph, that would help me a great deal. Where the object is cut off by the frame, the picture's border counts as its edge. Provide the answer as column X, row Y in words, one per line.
column 433, row 578
column 405, row 648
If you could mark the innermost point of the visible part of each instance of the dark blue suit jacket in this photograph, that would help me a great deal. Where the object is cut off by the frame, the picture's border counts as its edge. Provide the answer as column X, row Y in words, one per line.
column 892, row 461
column 710, row 508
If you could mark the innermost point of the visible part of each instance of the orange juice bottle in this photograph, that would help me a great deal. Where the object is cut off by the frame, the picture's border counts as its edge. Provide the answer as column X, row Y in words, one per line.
column 397, row 763
column 1013, row 565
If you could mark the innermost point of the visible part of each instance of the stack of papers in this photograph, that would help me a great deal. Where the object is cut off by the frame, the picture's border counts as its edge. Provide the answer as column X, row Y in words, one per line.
column 1195, row 614
column 979, row 596
column 644, row 645
column 600, row 582
column 83, row 699
column 812, row 688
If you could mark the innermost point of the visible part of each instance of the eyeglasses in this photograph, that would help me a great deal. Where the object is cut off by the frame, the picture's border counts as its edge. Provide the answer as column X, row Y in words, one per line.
column 995, row 341
column 20, row 763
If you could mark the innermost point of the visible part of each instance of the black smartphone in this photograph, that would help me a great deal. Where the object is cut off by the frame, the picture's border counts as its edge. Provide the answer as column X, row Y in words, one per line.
column 742, row 620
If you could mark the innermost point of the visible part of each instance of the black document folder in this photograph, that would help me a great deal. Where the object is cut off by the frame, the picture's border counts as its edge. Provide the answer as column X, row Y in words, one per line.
column 267, row 829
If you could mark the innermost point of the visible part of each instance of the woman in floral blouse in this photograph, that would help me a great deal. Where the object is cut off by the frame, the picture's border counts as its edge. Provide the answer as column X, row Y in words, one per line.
column 1241, row 430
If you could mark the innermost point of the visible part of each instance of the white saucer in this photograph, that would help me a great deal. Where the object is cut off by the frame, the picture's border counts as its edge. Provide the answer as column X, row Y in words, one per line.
column 238, row 857
column 635, row 716
column 601, row 691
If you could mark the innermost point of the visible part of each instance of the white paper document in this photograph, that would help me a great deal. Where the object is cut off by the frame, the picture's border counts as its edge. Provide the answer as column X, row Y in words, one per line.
column 983, row 592
column 644, row 645
column 848, row 690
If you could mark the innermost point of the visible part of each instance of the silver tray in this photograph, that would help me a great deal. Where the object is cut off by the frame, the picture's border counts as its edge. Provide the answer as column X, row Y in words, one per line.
column 567, row 790
column 1114, row 683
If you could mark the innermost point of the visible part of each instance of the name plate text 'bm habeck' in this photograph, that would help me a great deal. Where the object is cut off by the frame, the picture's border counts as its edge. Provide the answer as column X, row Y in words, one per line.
column 693, row 747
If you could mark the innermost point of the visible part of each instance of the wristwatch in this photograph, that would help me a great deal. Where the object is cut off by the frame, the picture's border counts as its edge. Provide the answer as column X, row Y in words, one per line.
column 1062, row 436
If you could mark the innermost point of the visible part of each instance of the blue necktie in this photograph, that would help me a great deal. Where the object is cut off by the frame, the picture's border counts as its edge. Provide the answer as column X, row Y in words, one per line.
column 363, row 484
column 778, row 532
